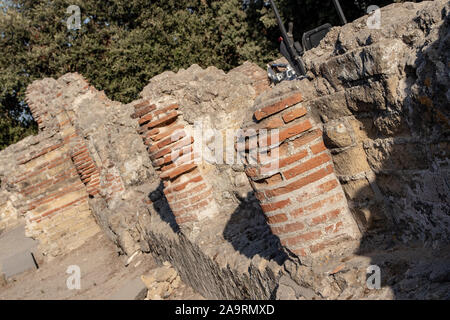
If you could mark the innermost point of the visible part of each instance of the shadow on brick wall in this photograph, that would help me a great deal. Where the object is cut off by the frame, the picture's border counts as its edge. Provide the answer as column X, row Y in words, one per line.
column 161, row 206
column 249, row 233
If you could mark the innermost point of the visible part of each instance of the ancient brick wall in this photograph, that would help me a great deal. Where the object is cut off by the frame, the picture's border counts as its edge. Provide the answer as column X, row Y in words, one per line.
column 295, row 179
column 361, row 149
column 171, row 150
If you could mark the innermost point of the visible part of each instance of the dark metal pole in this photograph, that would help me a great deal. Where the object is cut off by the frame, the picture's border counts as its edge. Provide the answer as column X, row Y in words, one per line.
column 299, row 66
column 280, row 23
column 340, row 12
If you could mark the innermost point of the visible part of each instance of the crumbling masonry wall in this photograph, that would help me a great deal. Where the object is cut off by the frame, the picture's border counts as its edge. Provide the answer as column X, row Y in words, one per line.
column 295, row 179
column 382, row 97
column 363, row 159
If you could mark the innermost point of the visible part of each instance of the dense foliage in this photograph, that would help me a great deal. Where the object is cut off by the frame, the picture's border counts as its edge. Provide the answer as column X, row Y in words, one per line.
column 123, row 43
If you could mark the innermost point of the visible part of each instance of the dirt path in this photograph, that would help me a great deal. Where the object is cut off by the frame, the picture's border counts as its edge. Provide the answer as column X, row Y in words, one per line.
column 103, row 276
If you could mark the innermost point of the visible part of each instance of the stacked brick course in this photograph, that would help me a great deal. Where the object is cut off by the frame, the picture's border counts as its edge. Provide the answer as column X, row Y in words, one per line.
column 171, row 148
column 296, row 183
column 57, row 210
column 55, row 176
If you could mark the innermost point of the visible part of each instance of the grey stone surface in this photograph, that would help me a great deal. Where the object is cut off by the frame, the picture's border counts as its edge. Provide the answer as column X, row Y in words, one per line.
column 133, row 290
column 16, row 252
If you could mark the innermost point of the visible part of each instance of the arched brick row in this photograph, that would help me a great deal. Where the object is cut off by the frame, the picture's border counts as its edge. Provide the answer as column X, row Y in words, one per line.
column 170, row 147
column 295, row 181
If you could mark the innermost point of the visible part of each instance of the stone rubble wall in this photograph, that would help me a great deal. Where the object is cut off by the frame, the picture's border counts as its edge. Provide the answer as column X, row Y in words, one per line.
column 364, row 158
column 9, row 217
column 381, row 97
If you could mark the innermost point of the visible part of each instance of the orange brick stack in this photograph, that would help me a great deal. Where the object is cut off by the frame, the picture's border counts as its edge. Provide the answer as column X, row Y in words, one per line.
column 301, row 196
column 55, row 196
column 40, row 113
column 85, row 165
column 170, row 146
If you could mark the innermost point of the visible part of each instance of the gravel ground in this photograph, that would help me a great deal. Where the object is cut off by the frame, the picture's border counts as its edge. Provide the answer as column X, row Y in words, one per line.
column 103, row 275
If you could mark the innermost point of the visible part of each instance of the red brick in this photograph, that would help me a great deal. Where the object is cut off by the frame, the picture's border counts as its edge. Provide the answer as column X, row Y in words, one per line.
column 285, row 134
column 152, row 132
column 322, row 203
column 275, row 179
column 276, row 218
column 295, row 130
column 87, row 171
column 318, row 247
column 57, row 163
column 178, row 212
column 302, row 237
column 173, row 138
column 145, row 119
column 141, row 104
column 82, row 150
column 167, row 167
column 168, row 158
column 300, row 183
column 199, row 205
column 183, row 185
column 153, row 148
column 93, row 184
column 306, row 166
column 288, row 160
column 300, row 252
column 81, row 159
column 252, row 172
column 179, row 170
column 185, row 219
column 86, row 180
column 171, row 116
column 318, row 220
column 166, row 109
column 182, row 143
column 294, row 114
column 201, row 196
column 187, row 194
column 297, row 213
column 185, row 177
column 87, row 165
column 277, row 107
column 47, row 213
column 308, row 137
column 260, row 196
column 276, row 205
column 274, row 123
column 288, row 228
column 317, row 148
column 167, row 132
column 327, row 243
column 143, row 111
column 321, row 189
column 334, row 227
